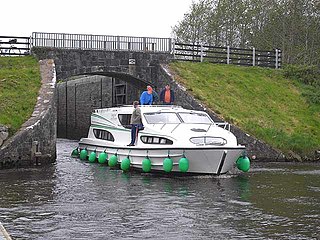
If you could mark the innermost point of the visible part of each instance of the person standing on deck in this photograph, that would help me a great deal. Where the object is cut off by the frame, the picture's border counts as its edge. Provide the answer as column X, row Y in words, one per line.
column 155, row 97
column 136, row 123
column 167, row 95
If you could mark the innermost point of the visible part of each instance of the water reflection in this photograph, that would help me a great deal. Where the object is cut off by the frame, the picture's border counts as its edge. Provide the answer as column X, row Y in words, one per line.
column 74, row 199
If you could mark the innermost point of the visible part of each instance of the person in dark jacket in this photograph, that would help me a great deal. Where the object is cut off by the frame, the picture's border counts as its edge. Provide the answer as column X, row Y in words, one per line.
column 155, row 97
column 136, row 123
column 167, row 95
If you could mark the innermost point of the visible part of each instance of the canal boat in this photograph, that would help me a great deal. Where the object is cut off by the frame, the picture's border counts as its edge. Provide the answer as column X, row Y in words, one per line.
column 173, row 140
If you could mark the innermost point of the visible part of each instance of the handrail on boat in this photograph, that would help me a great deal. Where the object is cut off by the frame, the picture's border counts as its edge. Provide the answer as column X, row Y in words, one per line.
column 175, row 127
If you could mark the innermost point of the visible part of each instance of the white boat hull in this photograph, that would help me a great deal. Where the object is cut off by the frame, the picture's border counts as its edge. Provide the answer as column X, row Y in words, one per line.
column 206, row 160
column 169, row 131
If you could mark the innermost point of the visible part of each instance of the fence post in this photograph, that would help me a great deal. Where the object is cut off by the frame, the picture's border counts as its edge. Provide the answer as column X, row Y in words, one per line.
column 118, row 42
column 34, row 39
column 174, row 48
column 144, row 44
column 201, row 52
column 30, row 45
column 228, row 54
column 170, row 46
column 253, row 57
column 279, row 58
column 277, row 62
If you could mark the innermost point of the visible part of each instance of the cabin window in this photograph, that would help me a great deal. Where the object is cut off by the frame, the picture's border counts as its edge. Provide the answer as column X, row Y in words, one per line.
column 103, row 134
column 155, row 140
column 124, row 119
column 195, row 118
column 217, row 141
column 161, row 117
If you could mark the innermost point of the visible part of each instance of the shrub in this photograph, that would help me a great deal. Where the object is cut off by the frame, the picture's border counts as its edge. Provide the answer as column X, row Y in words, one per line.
column 309, row 75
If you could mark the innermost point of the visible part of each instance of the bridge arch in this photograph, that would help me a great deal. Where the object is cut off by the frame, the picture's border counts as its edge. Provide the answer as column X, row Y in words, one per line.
column 132, row 80
column 111, row 78
column 81, row 94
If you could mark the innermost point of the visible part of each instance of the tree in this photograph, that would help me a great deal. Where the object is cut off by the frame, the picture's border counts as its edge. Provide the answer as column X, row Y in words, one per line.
column 290, row 25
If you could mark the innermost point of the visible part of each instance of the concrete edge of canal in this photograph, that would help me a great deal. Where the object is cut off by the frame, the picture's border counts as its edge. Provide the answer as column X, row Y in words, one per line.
column 35, row 142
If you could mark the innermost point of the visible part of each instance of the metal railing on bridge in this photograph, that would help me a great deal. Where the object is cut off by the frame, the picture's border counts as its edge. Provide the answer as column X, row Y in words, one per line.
column 181, row 51
column 101, row 42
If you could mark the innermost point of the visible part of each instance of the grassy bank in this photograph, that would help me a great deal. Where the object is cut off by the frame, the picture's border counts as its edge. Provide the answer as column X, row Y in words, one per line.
column 261, row 101
column 19, row 86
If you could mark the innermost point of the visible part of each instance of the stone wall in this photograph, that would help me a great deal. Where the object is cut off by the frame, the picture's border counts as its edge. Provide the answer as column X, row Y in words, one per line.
column 35, row 142
column 71, row 62
column 79, row 97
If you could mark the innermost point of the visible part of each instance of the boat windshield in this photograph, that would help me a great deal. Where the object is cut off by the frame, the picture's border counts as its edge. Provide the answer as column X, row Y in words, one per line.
column 195, row 118
column 161, row 117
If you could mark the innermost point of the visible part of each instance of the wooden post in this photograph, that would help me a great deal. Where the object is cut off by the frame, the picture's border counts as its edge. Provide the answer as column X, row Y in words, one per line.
column 277, row 60
column 253, row 57
column 228, row 54
column 173, row 48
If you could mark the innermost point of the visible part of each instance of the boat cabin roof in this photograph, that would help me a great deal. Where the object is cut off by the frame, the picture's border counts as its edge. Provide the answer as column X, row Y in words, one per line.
column 154, row 114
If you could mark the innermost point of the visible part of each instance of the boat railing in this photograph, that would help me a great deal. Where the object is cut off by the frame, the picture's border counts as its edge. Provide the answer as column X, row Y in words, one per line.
column 154, row 106
column 224, row 125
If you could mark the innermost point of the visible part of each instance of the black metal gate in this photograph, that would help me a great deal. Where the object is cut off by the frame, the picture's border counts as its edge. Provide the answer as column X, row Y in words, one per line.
column 14, row 46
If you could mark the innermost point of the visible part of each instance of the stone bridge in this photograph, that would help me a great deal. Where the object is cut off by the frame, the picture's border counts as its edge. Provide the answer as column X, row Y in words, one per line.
column 92, row 79
column 138, row 68
column 106, row 71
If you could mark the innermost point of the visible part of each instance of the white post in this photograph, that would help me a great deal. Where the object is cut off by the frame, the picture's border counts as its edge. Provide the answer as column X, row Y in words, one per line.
column 228, row 54
column 174, row 48
column 171, row 42
column 253, row 57
column 277, row 62
column 201, row 53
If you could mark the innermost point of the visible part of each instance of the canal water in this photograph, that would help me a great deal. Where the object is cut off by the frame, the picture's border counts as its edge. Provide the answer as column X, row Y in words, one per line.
column 74, row 199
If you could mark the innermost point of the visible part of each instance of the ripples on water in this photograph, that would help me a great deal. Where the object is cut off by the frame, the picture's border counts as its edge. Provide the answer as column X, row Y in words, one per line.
column 73, row 199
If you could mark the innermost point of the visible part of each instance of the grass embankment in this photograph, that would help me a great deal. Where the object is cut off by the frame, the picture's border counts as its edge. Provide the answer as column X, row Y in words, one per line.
column 260, row 101
column 19, row 86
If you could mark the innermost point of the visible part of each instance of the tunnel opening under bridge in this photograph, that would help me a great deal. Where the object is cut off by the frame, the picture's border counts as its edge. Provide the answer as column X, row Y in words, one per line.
column 79, row 95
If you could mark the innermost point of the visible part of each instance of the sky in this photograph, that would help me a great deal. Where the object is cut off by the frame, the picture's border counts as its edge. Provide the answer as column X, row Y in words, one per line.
column 141, row 18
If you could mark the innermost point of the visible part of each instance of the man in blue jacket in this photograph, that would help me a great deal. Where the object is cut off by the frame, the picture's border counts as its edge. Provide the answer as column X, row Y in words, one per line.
column 146, row 97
